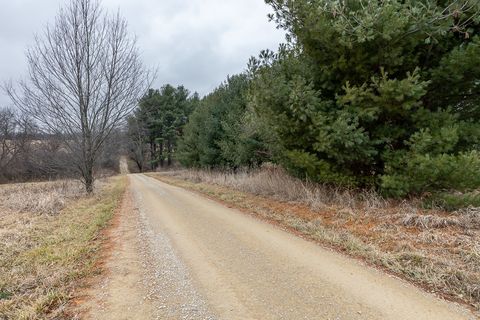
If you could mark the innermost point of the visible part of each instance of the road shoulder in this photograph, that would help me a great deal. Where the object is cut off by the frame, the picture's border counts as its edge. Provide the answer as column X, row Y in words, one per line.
column 118, row 293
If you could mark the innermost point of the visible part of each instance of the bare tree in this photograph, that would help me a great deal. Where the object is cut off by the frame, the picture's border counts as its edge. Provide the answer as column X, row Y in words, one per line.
column 8, row 146
column 85, row 77
column 16, row 132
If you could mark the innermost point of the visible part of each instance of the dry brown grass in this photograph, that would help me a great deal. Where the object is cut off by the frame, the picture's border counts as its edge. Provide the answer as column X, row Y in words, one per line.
column 274, row 182
column 41, row 198
column 435, row 249
column 48, row 236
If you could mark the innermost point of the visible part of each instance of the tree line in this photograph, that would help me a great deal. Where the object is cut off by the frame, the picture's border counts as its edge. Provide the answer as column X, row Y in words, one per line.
column 29, row 154
column 369, row 94
column 364, row 94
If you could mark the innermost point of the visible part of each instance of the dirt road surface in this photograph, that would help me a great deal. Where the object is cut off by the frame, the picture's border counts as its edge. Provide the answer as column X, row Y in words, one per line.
column 178, row 255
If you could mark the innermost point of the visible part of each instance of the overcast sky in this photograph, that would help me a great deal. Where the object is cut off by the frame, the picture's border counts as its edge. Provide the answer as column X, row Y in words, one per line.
column 196, row 43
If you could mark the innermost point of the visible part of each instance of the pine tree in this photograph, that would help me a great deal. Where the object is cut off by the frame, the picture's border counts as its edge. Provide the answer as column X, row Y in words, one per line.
column 221, row 132
column 160, row 117
column 375, row 93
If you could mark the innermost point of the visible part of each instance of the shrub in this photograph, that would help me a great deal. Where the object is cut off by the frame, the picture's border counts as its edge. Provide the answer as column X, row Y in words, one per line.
column 452, row 201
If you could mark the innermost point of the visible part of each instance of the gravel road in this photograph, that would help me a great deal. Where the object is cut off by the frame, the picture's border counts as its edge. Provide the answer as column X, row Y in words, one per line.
column 197, row 259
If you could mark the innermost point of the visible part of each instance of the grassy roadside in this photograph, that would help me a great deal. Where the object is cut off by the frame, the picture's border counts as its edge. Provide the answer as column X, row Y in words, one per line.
column 44, row 254
column 438, row 252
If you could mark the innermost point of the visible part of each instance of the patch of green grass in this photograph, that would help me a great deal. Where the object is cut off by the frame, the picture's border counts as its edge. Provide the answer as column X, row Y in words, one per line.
column 5, row 295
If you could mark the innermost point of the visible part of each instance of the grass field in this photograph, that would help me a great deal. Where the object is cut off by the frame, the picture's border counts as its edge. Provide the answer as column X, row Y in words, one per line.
column 50, row 239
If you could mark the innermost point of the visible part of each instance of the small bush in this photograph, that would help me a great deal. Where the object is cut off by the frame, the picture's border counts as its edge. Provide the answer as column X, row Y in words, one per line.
column 428, row 173
column 452, row 201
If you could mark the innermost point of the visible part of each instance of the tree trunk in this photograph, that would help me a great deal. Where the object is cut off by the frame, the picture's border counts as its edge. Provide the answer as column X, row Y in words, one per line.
column 88, row 178
column 88, row 155
column 160, row 155
column 153, row 154
column 139, row 166
column 169, row 161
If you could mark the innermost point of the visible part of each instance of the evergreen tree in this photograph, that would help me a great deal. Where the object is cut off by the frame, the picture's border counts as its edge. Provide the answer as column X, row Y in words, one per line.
column 375, row 93
column 159, row 122
column 220, row 133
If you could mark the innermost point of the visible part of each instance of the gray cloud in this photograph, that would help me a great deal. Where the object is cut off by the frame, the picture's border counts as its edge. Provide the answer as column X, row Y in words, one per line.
column 196, row 43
